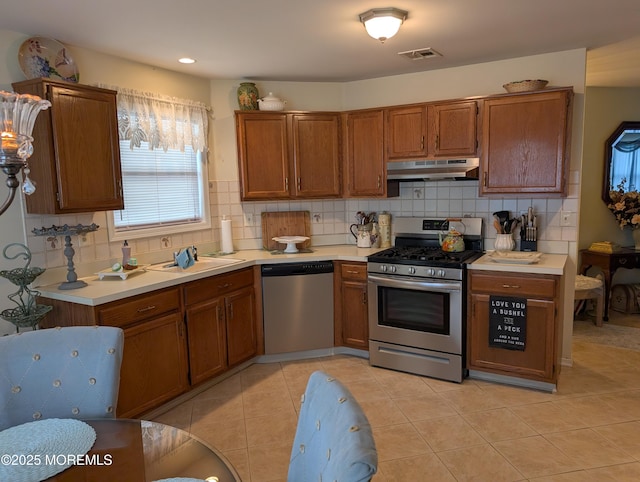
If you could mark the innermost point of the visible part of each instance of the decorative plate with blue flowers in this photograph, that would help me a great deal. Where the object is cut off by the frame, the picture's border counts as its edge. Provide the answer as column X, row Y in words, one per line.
column 44, row 57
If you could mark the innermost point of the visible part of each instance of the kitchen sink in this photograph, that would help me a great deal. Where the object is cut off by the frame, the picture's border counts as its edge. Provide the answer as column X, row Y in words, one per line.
column 203, row 264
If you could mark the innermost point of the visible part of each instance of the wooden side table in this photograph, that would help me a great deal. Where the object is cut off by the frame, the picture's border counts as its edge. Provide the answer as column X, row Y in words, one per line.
column 609, row 263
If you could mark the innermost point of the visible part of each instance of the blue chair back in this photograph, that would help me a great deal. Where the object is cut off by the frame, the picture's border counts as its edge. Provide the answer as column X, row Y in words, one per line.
column 333, row 440
column 71, row 372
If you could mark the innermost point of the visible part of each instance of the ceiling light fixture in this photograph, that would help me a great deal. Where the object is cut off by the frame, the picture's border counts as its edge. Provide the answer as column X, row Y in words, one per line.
column 187, row 60
column 383, row 23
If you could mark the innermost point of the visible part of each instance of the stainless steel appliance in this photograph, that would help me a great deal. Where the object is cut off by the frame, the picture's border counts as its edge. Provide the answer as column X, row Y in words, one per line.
column 417, row 298
column 297, row 303
column 427, row 170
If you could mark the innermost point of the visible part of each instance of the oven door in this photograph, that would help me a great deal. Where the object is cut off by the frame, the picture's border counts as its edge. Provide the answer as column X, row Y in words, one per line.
column 416, row 312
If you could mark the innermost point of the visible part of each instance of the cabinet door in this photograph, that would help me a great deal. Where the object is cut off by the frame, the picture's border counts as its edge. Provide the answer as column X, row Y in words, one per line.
column 263, row 155
column 406, row 132
column 241, row 326
column 365, row 171
column 536, row 362
column 206, row 336
column 350, row 305
column 316, row 155
column 76, row 155
column 355, row 328
column 154, row 367
column 452, row 129
column 525, row 144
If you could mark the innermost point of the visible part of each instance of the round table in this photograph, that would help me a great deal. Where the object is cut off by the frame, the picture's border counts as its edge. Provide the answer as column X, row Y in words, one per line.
column 140, row 450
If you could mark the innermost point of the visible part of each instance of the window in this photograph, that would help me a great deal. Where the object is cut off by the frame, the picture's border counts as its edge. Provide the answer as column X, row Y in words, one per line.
column 164, row 172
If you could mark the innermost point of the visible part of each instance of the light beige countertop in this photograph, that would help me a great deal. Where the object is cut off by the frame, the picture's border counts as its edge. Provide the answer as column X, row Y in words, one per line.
column 547, row 264
column 113, row 288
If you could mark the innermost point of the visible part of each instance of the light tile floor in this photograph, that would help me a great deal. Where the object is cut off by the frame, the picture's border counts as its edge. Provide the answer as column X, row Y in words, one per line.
column 427, row 429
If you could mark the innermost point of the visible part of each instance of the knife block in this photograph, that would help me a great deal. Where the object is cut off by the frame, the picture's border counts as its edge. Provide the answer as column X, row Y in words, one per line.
column 527, row 245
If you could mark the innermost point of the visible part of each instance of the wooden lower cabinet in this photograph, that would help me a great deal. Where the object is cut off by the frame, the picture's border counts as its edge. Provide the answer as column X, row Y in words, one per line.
column 176, row 337
column 207, row 340
column 540, row 360
column 221, row 323
column 154, row 368
column 350, row 298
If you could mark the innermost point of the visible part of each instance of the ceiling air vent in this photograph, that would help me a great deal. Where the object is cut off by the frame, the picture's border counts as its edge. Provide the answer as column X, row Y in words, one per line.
column 420, row 54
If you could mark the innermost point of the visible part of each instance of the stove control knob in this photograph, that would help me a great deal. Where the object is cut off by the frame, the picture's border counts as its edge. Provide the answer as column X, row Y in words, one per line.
column 393, row 269
column 383, row 268
column 431, row 272
column 441, row 273
column 412, row 270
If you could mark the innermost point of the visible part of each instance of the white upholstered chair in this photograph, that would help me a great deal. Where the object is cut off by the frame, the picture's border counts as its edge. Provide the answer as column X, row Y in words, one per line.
column 333, row 440
column 71, row 372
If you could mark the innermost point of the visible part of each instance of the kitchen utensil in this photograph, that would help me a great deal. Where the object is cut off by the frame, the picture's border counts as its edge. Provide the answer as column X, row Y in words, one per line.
column 453, row 241
column 285, row 223
column 504, row 242
column 362, row 234
column 291, row 242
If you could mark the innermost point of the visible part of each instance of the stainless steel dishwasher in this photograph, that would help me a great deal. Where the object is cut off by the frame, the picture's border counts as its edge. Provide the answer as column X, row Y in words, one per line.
column 297, row 303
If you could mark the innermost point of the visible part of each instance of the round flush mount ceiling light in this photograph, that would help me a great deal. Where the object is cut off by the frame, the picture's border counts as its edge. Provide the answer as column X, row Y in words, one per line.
column 187, row 60
column 383, row 23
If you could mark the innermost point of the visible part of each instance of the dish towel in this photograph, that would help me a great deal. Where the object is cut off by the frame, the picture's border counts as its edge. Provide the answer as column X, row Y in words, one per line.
column 184, row 259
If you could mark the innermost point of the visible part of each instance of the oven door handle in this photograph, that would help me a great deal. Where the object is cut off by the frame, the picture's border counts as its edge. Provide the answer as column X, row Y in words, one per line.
column 439, row 286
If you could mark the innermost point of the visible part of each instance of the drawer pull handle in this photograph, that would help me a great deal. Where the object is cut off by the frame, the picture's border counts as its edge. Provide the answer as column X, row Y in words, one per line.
column 511, row 286
column 226, row 285
column 352, row 272
column 146, row 308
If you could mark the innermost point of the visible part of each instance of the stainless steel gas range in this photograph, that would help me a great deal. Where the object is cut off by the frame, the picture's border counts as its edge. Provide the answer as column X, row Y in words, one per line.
column 417, row 298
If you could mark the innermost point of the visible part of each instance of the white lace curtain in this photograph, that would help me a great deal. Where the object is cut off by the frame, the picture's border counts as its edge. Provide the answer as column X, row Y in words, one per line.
column 162, row 121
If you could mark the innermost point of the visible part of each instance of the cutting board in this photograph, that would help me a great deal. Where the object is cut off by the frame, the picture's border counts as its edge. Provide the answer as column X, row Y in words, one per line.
column 285, row 223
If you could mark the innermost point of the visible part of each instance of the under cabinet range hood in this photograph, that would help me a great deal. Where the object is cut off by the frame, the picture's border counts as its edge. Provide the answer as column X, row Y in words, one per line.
column 434, row 170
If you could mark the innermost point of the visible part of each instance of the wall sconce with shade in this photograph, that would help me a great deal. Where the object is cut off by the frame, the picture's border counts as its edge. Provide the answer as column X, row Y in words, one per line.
column 383, row 23
column 18, row 114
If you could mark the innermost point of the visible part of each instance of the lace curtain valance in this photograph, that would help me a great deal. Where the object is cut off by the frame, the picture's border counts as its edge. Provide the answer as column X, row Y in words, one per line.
column 162, row 121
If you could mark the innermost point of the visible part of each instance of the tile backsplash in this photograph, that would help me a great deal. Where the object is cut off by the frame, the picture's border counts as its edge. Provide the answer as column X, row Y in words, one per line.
column 330, row 221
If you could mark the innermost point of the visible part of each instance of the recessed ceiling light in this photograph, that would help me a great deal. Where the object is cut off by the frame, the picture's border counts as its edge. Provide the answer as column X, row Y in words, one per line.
column 187, row 60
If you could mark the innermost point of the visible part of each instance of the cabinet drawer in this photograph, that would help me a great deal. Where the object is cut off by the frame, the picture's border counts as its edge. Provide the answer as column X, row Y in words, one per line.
column 140, row 308
column 353, row 271
column 504, row 284
column 208, row 288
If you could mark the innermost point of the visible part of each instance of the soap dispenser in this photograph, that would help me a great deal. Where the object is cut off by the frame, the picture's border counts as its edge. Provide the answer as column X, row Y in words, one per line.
column 126, row 253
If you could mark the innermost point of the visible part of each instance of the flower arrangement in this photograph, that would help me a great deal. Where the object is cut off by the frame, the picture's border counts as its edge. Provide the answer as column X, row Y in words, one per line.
column 625, row 206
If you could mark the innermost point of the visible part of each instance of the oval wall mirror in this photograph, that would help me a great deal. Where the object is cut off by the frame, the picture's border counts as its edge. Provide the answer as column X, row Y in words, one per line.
column 622, row 160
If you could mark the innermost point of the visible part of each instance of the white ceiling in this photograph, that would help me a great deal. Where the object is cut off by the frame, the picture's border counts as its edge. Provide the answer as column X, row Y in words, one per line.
column 323, row 40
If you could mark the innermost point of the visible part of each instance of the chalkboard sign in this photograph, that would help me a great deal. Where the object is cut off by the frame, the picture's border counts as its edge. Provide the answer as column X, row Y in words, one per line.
column 508, row 322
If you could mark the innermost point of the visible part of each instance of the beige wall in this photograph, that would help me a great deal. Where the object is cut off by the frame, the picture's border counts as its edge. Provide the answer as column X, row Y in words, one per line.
column 605, row 109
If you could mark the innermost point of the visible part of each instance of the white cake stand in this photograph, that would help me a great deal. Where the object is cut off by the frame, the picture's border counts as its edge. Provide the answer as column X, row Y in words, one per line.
column 291, row 242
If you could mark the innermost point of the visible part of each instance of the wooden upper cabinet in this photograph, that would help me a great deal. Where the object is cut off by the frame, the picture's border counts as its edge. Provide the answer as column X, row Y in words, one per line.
column 316, row 155
column 76, row 158
column 263, row 153
column 289, row 155
column 452, row 130
column 406, row 132
column 364, row 170
column 525, row 143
